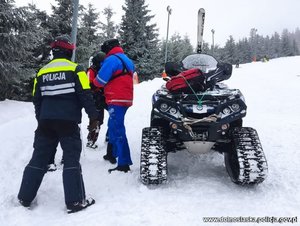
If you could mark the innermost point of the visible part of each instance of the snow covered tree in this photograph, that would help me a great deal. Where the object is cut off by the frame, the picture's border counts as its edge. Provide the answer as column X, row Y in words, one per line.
column 38, row 36
column 297, row 38
column 88, row 40
column 243, row 53
column 217, row 52
column 295, row 48
column 260, row 47
column 275, row 45
column 229, row 51
column 266, row 47
column 90, row 24
column 60, row 22
column 178, row 48
column 61, row 18
column 109, row 28
column 253, row 43
column 286, row 44
column 140, row 39
column 205, row 47
column 19, row 37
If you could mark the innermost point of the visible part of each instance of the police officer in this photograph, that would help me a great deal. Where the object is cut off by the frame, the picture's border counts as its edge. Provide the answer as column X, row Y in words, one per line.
column 61, row 89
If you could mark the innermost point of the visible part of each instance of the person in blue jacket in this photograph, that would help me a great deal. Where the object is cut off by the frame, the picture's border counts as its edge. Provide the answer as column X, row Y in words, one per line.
column 61, row 89
column 116, row 76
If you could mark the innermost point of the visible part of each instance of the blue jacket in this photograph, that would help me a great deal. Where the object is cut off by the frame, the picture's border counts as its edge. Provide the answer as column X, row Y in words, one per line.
column 118, row 86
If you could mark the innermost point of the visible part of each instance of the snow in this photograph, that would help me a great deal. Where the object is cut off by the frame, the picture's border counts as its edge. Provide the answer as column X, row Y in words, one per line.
column 198, row 185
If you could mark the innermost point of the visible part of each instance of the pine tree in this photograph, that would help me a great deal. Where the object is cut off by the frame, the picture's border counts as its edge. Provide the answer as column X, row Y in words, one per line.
column 275, row 45
column 244, row 51
column 217, row 52
column 187, row 46
column 60, row 22
column 261, row 48
column 297, row 37
column 267, row 46
column 88, row 41
column 139, row 39
column 295, row 48
column 38, row 36
column 178, row 48
column 286, row 44
column 108, row 28
column 253, row 43
column 230, row 51
column 205, row 47
column 61, row 18
column 17, row 42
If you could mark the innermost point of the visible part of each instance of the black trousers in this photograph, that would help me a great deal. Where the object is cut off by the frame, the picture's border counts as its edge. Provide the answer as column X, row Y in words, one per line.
column 47, row 136
column 100, row 105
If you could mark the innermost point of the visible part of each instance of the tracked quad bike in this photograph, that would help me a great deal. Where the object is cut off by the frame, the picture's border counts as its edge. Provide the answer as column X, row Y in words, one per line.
column 199, row 122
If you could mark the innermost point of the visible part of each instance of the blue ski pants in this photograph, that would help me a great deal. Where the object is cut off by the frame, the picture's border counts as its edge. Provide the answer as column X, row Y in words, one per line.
column 117, row 134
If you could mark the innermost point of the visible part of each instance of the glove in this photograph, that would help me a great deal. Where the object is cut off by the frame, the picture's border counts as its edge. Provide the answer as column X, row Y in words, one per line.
column 93, row 125
column 94, row 128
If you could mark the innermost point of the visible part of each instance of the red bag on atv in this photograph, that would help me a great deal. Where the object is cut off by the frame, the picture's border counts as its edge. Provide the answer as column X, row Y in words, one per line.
column 187, row 81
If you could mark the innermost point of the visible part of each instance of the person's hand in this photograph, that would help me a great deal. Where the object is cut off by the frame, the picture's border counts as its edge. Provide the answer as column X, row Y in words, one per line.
column 93, row 125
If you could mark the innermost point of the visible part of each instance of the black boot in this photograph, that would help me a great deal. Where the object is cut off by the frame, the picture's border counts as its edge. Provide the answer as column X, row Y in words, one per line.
column 24, row 203
column 51, row 163
column 124, row 169
column 109, row 154
column 51, row 167
column 77, row 206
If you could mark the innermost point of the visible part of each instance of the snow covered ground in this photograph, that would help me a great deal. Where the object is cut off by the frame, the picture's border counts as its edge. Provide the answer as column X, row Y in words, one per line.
column 198, row 186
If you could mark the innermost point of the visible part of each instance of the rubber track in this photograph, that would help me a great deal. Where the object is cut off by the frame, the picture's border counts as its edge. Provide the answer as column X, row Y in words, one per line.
column 253, row 166
column 153, row 163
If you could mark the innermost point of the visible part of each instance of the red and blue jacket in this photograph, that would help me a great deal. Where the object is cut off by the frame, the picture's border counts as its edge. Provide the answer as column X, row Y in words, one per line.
column 118, row 86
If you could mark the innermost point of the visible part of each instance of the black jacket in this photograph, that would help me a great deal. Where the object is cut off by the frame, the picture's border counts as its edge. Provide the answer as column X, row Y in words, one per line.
column 61, row 89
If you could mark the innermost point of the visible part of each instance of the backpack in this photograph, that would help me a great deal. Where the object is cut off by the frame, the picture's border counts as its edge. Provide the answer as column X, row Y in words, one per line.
column 189, row 81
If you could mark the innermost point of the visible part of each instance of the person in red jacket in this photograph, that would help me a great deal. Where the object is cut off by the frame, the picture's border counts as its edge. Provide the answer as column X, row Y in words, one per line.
column 116, row 76
column 98, row 96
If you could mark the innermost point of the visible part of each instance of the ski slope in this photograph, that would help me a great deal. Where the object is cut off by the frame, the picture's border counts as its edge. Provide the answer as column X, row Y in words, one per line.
column 198, row 185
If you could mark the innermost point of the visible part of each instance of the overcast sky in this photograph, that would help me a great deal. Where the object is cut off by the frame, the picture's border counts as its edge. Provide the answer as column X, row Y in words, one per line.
column 226, row 17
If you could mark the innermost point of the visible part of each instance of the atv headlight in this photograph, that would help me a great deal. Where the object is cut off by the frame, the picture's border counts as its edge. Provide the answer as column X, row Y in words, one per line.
column 173, row 111
column 154, row 98
column 226, row 111
column 164, row 107
column 235, row 107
